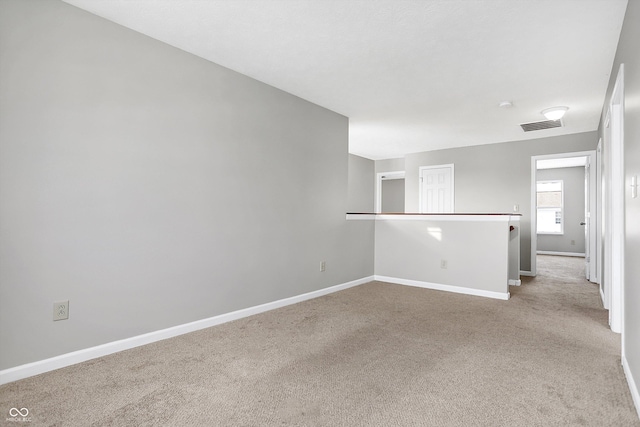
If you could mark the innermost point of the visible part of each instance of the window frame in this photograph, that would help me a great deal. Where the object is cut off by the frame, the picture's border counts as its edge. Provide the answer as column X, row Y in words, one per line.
column 560, row 208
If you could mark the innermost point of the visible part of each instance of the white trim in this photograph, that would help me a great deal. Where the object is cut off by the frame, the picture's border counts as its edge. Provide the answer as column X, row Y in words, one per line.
column 564, row 155
column 513, row 282
column 565, row 162
column 599, row 211
column 453, row 185
column 602, row 297
column 435, row 217
column 591, row 218
column 615, row 212
column 576, row 254
column 384, row 176
column 633, row 387
column 452, row 218
column 527, row 273
column 534, row 216
column 534, row 236
column 447, row 288
column 361, row 217
column 68, row 359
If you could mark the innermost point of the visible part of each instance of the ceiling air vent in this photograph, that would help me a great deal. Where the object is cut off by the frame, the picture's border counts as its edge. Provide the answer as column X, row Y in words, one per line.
column 545, row 124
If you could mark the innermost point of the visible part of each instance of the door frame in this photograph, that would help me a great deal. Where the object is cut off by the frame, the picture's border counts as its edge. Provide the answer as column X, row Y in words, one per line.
column 599, row 221
column 384, row 176
column 591, row 241
column 614, row 206
column 453, row 186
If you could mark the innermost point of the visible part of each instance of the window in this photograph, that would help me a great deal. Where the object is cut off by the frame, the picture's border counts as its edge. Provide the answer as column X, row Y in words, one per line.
column 550, row 218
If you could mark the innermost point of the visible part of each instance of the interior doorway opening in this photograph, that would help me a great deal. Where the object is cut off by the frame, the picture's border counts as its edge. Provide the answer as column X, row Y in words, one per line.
column 576, row 235
column 390, row 191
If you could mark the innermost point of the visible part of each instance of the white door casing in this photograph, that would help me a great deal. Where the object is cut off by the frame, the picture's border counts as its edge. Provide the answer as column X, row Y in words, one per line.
column 614, row 231
column 590, row 227
column 599, row 220
column 383, row 176
column 589, row 267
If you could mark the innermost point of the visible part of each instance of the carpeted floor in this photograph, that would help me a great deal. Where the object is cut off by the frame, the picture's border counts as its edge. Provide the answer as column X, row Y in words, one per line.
column 374, row 355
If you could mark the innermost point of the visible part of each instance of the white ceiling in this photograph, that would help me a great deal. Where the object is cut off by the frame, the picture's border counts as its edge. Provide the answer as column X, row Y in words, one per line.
column 565, row 162
column 411, row 75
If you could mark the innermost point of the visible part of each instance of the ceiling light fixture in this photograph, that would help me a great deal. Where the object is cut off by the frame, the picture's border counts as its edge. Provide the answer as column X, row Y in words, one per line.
column 554, row 113
column 506, row 104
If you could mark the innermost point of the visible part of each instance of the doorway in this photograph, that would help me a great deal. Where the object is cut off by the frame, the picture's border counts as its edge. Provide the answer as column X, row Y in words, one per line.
column 569, row 228
column 390, row 192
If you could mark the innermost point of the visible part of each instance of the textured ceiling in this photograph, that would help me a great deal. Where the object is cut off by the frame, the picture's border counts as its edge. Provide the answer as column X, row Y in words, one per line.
column 412, row 75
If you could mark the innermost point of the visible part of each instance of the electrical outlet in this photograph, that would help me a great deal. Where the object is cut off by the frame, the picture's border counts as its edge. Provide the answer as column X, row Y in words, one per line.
column 323, row 266
column 61, row 310
column 443, row 263
column 516, row 208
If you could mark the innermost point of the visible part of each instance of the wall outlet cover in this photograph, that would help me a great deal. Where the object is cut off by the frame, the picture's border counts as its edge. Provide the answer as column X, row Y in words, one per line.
column 61, row 310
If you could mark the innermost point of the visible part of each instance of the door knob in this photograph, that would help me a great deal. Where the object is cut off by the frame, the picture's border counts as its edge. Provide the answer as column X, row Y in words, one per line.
column 583, row 223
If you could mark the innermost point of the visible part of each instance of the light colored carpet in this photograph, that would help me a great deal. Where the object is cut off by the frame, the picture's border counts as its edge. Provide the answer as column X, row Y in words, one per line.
column 374, row 355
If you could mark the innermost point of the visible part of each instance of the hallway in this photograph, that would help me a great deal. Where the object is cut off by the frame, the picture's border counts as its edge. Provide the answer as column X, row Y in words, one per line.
column 573, row 312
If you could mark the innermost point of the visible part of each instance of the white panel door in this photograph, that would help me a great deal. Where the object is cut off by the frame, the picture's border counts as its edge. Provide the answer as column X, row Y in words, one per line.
column 436, row 189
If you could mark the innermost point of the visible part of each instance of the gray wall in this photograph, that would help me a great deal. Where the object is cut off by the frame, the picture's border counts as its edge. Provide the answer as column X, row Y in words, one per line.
column 573, row 188
column 389, row 165
column 493, row 178
column 153, row 188
column 361, row 195
column 629, row 53
column 392, row 195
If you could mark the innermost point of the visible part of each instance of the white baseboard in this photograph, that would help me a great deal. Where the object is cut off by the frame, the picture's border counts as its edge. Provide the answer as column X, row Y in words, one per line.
column 633, row 387
column 447, row 288
column 527, row 273
column 68, row 359
column 576, row 254
column 602, row 296
column 513, row 282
